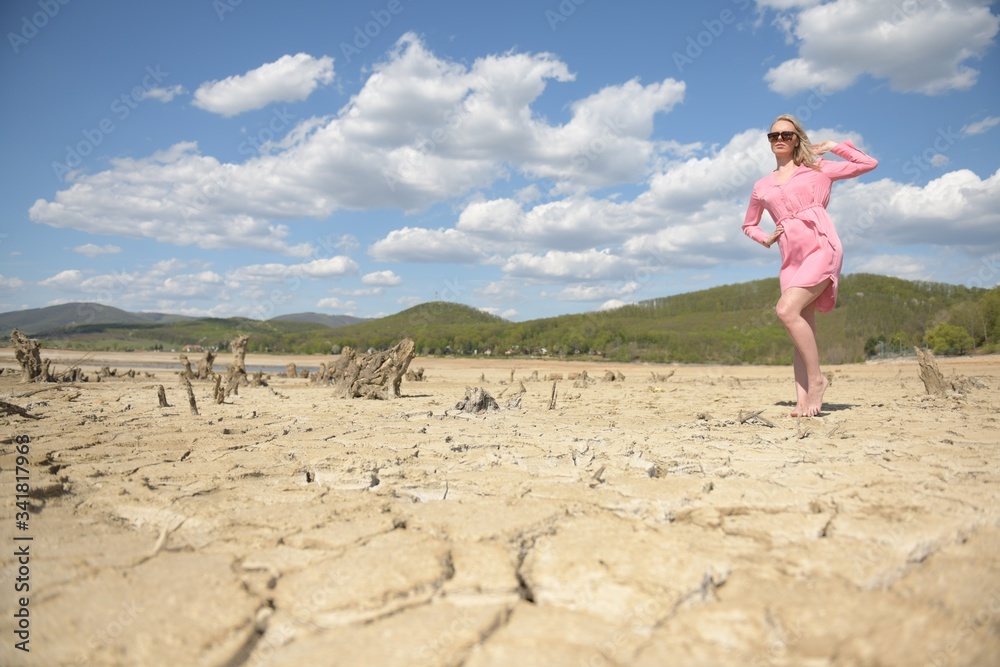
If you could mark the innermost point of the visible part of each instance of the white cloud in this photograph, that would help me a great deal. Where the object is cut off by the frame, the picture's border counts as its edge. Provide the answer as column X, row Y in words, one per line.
column 421, row 130
column 332, row 267
column 900, row 266
column 11, row 283
column 163, row 94
column 916, row 46
column 587, row 265
column 414, row 244
column 612, row 304
column 64, row 280
column 980, row 127
column 288, row 79
column 957, row 209
column 91, row 250
column 341, row 307
column 940, row 160
column 383, row 278
column 601, row 292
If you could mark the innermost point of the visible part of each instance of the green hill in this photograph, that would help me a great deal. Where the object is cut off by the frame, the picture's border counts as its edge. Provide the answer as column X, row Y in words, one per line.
column 731, row 324
column 332, row 321
column 34, row 320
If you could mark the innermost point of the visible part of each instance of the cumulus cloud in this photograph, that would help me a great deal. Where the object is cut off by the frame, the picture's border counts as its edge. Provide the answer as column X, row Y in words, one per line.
column 421, row 130
column 69, row 279
column 979, row 127
column 922, row 47
column 11, row 284
column 900, row 266
column 163, row 94
column 92, row 250
column 381, row 278
column 288, row 79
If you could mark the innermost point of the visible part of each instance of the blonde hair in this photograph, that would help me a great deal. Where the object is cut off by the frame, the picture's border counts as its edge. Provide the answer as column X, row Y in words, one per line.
column 803, row 153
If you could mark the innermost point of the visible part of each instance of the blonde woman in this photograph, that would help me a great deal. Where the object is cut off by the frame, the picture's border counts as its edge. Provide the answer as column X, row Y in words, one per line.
column 795, row 195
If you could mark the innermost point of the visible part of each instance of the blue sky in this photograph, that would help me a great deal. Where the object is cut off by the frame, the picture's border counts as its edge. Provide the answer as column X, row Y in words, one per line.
column 238, row 157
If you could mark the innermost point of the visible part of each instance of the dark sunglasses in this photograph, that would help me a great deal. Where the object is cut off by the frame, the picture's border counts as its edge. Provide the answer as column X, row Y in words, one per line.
column 785, row 136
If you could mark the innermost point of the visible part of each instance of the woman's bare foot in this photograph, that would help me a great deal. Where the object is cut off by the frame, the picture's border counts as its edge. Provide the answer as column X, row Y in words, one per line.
column 814, row 401
column 801, row 400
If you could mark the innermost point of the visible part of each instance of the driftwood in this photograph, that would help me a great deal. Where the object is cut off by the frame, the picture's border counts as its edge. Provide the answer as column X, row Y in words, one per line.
column 514, row 401
column 583, row 380
column 755, row 416
column 291, row 371
column 416, row 376
column 615, row 376
column 930, row 374
column 187, row 373
column 376, row 376
column 477, row 400
column 33, row 368
column 237, row 373
column 239, row 348
column 552, row 400
column 190, row 392
column 218, row 393
column 205, row 365
column 11, row 409
column 161, row 395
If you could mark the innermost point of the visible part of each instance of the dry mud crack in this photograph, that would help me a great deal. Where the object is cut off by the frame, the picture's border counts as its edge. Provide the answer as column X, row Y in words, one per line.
column 674, row 517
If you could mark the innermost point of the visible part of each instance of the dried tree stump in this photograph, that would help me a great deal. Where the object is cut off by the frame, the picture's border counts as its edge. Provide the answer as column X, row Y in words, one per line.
column 933, row 380
column 190, row 392
column 29, row 356
column 187, row 373
column 205, row 365
column 477, row 400
column 161, row 395
column 375, row 376
column 239, row 348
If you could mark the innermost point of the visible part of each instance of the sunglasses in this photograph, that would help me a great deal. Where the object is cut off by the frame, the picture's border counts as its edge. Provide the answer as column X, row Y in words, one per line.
column 785, row 136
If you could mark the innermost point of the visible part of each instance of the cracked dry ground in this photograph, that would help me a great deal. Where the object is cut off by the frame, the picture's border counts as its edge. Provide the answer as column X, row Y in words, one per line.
column 637, row 523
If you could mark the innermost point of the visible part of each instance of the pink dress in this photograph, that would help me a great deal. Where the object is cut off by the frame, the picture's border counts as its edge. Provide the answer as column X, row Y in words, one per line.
column 810, row 248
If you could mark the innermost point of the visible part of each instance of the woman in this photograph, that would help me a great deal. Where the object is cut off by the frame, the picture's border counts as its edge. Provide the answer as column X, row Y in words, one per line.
column 795, row 194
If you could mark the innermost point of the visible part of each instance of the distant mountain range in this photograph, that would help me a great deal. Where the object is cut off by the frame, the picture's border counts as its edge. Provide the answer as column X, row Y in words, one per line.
column 66, row 316
column 332, row 321
column 728, row 324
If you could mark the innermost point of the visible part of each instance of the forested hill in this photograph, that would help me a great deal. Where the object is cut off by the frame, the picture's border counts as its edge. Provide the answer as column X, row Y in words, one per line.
column 727, row 324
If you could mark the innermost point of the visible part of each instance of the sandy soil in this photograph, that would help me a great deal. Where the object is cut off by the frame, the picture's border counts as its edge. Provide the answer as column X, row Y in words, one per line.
column 639, row 522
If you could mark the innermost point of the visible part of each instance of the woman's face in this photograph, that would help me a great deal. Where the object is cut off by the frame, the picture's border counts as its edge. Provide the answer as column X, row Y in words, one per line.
column 783, row 146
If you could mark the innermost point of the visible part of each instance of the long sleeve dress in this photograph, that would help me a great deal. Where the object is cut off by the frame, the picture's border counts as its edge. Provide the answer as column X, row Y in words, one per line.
column 811, row 251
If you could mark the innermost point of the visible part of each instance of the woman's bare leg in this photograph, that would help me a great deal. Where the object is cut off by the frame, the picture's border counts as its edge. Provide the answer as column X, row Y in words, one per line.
column 801, row 373
column 796, row 310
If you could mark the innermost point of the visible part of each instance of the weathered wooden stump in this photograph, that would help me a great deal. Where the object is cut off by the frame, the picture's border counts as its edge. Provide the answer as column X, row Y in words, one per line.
column 33, row 368
column 186, row 373
column 291, row 371
column 205, row 365
column 161, row 395
column 477, row 400
column 190, row 394
column 930, row 374
column 376, row 376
